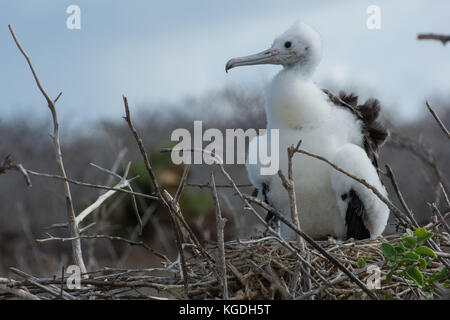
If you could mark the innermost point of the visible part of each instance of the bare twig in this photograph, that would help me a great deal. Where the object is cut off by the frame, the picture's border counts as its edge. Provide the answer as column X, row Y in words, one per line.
column 220, row 223
column 289, row 185
column 141, row 147
column 76, row 243
column 433, row 36
column 402, row 217
column 438, row 120
column 108, row 237
column 20, row 293
column 334, row 282
column 49, row 289
column 8, row 164
column 206, row 185
column 102, row 198
column 391, row 176
column 90, row 185
column 182, row 183
column 421, row 152
column 447, row 201
column 162, row 195
column 439, row 216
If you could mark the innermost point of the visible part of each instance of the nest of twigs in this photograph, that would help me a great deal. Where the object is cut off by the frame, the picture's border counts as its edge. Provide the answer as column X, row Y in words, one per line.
column 262, row 268
column 257, row 268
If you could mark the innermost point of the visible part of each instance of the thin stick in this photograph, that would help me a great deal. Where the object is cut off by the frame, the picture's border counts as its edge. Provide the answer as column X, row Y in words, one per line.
column 433, row 36
column 102, row 198
column 438, row 120
column 420, row 152
column 289, row 185
column 182, row 183
column 22, row 294
column 76, row 243
column 220, row 223
column 141, row 146
column 108, row 237
column 8, row 164
column 34, row 281
column 440, row 217
column 397, row 212
column 90, row 185
column 334, row 282
column 447, row 201
column 391, row 176
column 206, row 185
column 161, row 195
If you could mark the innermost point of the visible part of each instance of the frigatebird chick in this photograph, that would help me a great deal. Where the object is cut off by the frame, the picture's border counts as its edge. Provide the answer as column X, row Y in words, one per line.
column 330, row 203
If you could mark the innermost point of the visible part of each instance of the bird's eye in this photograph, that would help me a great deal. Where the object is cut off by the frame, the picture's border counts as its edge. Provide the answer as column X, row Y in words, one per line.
column 287, row 44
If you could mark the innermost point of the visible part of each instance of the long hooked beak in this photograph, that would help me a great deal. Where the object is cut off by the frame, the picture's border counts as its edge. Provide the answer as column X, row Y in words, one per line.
column 265, row 57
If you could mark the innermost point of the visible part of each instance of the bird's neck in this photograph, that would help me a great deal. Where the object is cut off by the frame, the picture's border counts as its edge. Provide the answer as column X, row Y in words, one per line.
column 295, row 102
column 303, row 68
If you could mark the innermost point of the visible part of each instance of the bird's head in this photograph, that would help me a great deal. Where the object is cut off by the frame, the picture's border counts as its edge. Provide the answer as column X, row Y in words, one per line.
column 299, row 47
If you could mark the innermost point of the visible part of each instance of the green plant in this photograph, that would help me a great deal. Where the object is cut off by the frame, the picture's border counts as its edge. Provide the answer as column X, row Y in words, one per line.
column 411, row 257
column 362, row 262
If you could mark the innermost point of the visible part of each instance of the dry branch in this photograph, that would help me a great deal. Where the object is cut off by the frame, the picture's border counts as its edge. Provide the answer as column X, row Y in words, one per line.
column 438, row 120
column 289, row 185
column 19, row 293
column 391, row 176
column 111, row 238
column 76, row 243
column 433, row 36
column 220, row 223
column 402, row 217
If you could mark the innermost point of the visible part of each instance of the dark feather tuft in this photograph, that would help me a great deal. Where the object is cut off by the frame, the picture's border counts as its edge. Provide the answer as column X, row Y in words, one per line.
column 374, row 133
column 351, row 99
column 370, row 110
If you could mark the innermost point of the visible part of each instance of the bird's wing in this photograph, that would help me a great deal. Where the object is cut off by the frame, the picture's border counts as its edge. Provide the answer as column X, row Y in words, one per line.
column 373, row 132
column 364, row 213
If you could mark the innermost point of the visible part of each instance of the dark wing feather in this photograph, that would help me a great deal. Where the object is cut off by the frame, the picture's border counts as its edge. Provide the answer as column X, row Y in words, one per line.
column 354, row 217
column 271, row 219
column 373, row 132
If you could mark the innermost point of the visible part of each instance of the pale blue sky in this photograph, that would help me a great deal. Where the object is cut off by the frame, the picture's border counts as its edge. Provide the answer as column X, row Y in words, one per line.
column 166, row 51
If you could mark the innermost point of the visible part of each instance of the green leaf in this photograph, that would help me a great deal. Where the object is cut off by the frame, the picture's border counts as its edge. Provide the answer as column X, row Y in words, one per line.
column 388, row 251
column 391, row 263
column 411, row 256
column 415, row 275
column 426, row 251
column 410, row 242
column 447, row 284
column 409, row 232
column 423, row 264
column 362, row 262
column 389, row 276
column 400, row 248
column 427, row 236
column 420, row 232
column 441, row 275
